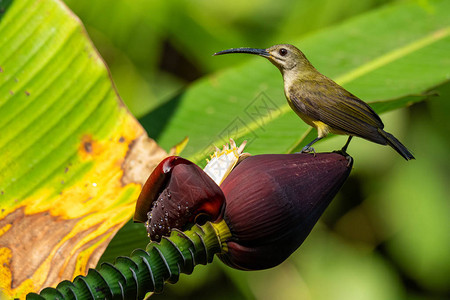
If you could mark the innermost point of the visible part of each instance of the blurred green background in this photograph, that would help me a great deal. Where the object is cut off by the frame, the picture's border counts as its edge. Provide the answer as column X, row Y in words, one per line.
column 386, row 234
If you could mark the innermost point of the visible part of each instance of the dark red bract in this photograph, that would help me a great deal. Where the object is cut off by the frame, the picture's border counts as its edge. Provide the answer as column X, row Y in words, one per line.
column 274, row 200
column 177, row 194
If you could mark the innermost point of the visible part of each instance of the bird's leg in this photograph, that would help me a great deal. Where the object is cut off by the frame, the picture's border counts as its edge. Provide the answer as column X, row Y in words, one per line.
column 344, row 149
column 308, row 147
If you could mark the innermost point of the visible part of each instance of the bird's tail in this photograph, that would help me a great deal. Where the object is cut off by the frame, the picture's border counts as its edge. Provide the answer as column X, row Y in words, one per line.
column 394, row 143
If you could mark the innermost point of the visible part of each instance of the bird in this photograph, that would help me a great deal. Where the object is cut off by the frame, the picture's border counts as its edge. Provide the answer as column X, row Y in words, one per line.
column 322, row 103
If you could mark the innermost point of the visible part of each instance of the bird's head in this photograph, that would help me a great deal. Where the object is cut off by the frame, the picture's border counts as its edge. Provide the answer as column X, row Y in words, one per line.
column 285, row 57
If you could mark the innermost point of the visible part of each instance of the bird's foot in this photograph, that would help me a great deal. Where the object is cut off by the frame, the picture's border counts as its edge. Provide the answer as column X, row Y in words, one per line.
column 308, row 149
column 347, row 156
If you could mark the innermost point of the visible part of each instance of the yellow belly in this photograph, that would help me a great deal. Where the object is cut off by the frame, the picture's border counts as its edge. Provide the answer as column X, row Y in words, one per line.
column 322, row 128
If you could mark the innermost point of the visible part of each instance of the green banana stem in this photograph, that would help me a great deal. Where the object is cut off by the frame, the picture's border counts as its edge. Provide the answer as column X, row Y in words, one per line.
column 146, row 271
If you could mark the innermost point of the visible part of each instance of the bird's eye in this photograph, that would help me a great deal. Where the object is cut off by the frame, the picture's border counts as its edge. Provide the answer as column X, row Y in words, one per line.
column 282, row 52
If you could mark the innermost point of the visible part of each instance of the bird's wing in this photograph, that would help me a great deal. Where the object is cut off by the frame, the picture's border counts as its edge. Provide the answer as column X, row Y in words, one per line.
column 331, row 104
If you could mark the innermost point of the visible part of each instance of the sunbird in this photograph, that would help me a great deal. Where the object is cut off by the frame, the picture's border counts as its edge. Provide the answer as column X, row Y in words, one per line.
column 321, row 102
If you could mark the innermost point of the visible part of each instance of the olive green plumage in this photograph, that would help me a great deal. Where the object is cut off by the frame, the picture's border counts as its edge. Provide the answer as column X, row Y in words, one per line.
column 321, row 102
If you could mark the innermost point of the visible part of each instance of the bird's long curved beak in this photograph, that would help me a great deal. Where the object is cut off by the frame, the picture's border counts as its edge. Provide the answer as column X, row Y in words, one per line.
column 261, row 52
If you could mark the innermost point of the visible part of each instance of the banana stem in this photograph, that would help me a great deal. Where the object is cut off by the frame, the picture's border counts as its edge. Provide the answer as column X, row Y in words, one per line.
column 146, row 271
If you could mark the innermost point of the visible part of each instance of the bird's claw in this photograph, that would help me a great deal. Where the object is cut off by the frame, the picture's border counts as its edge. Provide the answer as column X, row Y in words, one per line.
column 347, row 156
column 308, row 149
column 350, row 160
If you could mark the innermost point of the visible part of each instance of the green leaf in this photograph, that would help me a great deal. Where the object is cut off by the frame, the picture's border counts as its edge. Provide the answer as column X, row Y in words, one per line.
column 217, row 25
column 4, row 4
column 131, row 44
column 68, row 146
column 379, row 56
column 303, row 16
